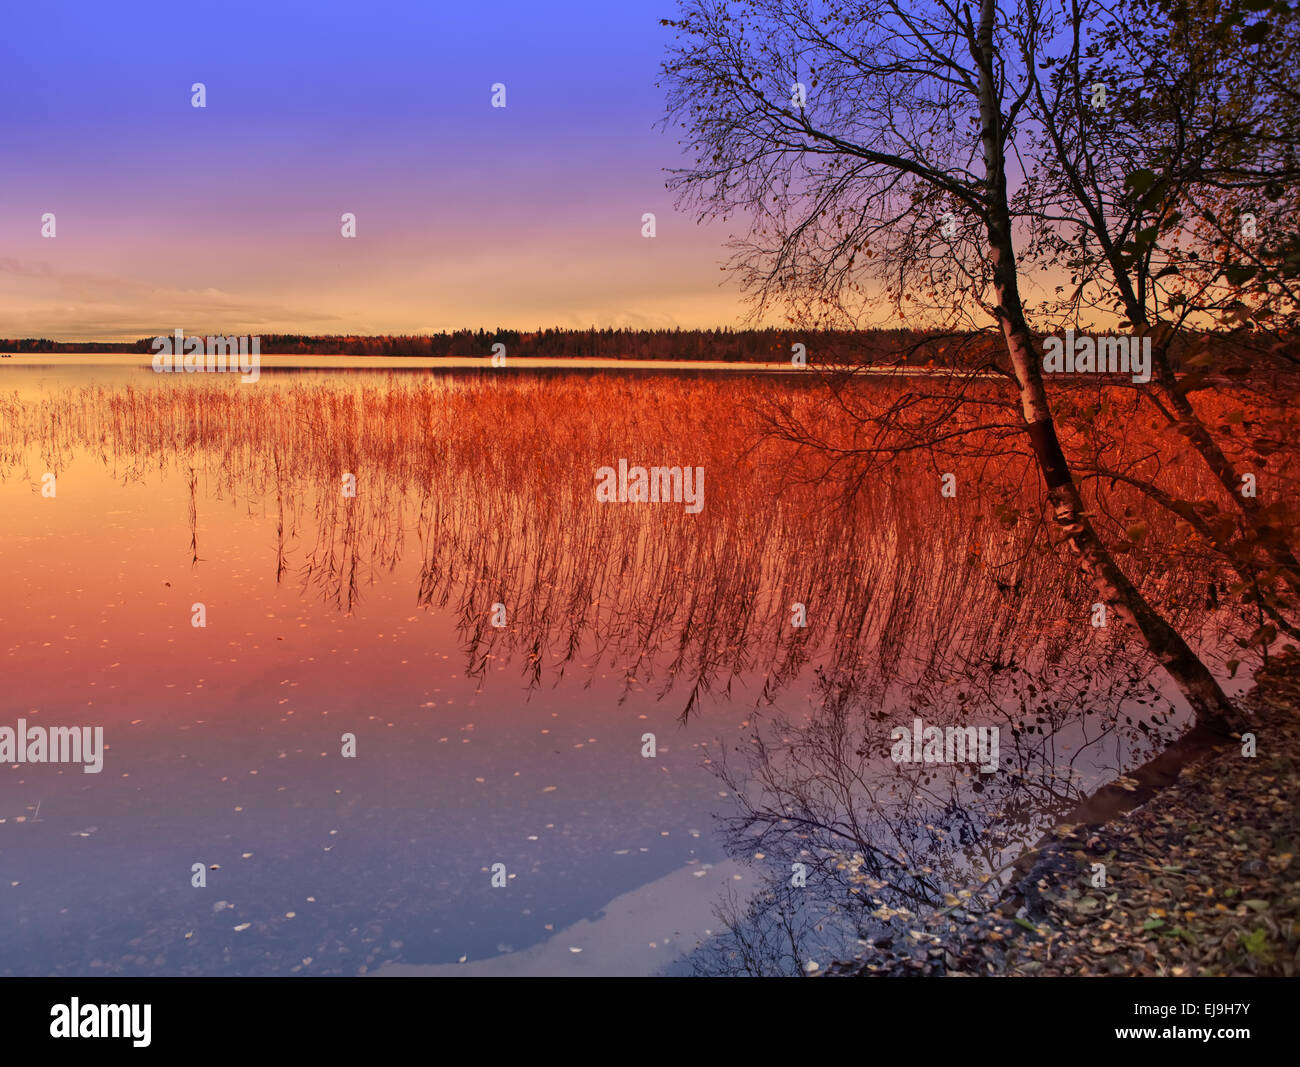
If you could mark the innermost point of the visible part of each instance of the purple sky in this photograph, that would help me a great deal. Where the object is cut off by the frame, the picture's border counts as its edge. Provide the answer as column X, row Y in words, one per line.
column 228, row 217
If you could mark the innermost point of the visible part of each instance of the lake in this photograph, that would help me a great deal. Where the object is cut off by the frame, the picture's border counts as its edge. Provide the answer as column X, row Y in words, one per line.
column 363, row 642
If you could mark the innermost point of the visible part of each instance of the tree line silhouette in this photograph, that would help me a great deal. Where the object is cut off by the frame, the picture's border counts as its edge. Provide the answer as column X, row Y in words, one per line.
column 837, row 347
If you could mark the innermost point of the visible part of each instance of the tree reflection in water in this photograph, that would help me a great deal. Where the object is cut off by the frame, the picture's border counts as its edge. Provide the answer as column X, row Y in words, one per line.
column 948, row 609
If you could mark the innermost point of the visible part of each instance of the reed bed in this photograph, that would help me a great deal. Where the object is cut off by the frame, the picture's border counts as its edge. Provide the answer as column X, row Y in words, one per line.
column 491, row 482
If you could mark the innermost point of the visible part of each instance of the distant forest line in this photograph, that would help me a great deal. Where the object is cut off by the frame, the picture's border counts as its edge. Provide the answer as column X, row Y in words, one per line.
column 916, row 347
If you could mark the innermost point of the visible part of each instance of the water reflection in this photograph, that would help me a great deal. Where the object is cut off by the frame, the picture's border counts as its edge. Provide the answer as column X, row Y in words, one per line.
column 474, row 492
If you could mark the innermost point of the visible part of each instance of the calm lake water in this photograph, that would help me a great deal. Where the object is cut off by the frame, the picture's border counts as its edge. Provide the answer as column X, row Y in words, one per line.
column 522, row 743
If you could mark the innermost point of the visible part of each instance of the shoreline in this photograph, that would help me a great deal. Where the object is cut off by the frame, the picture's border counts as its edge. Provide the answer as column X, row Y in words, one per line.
column 1196, row 851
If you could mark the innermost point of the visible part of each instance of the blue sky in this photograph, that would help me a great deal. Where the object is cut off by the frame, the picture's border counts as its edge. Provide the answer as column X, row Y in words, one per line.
column 229, row 216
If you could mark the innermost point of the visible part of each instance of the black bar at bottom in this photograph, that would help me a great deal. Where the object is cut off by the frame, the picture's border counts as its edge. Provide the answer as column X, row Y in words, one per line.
column 335, row 1016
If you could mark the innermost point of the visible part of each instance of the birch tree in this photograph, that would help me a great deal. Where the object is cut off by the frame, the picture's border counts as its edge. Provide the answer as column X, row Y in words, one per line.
column 1166, row 175
column 867, row 148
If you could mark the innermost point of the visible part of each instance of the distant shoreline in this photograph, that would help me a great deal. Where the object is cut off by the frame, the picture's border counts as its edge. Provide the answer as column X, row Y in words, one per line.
column 297, row 361
column 770, row 350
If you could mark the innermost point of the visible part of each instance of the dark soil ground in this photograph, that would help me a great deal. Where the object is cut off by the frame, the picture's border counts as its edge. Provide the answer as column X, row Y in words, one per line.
column 1200, row 879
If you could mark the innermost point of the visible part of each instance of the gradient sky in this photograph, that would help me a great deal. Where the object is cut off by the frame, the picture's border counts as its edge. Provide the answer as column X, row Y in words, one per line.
column 228, row 217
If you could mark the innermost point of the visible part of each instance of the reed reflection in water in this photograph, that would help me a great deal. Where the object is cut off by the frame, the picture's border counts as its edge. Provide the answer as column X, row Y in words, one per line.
column 473, row 493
